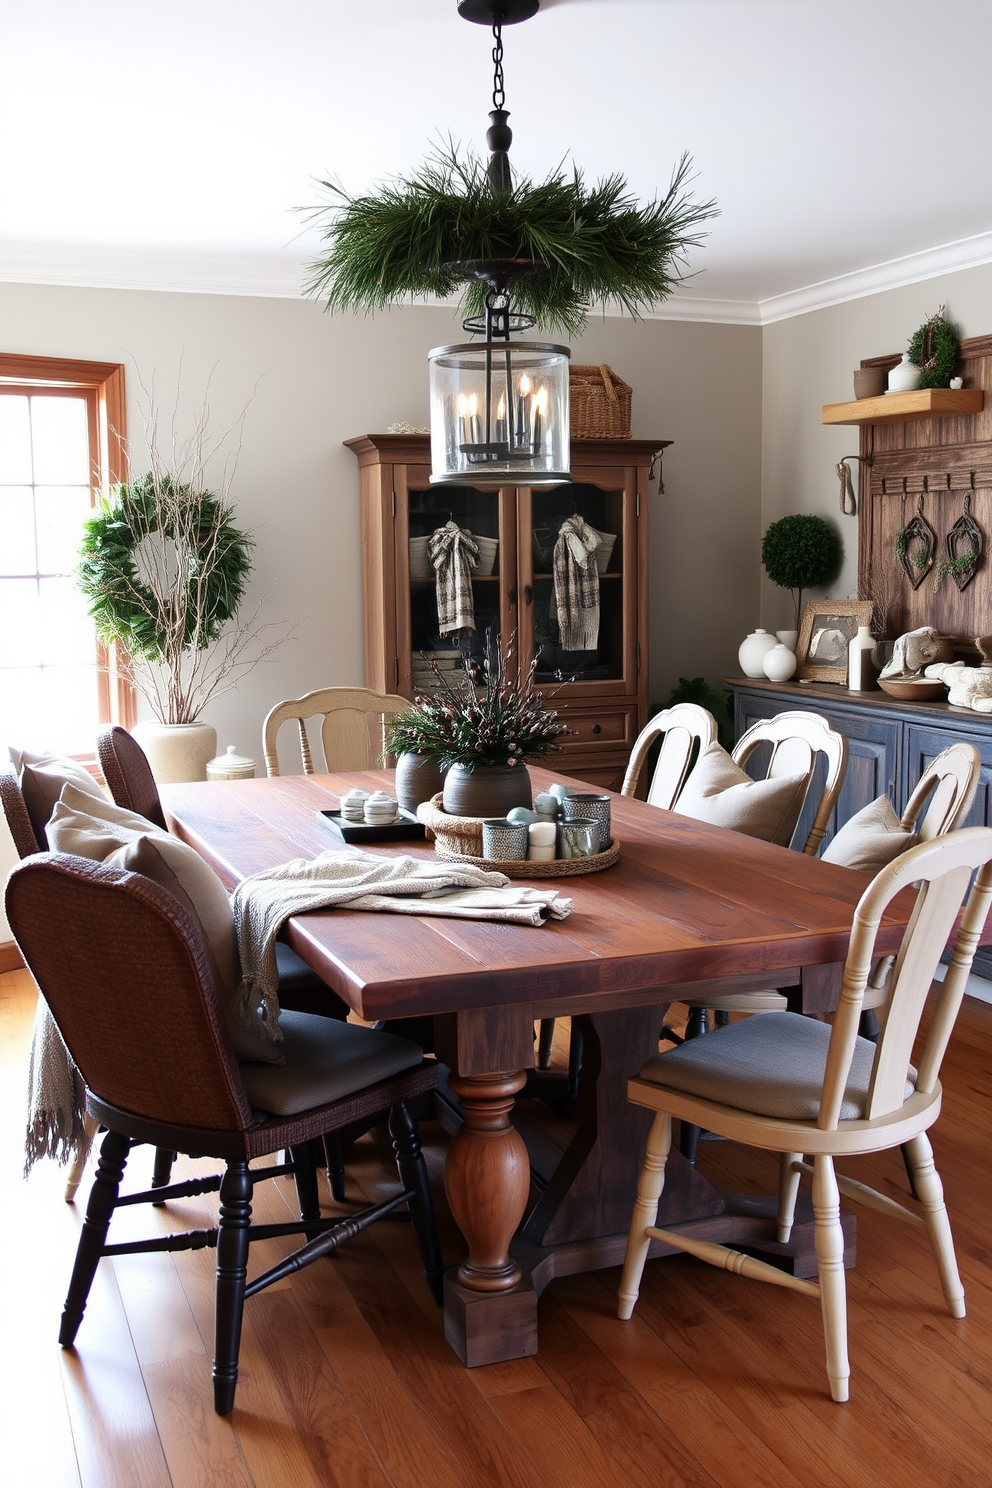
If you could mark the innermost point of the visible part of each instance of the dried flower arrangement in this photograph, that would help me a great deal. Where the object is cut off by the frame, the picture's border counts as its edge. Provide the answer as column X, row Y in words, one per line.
column 494, row 717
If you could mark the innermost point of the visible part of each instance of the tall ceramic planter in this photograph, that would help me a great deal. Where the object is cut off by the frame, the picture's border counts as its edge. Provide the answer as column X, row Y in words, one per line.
column 485, row 790
column 177, row 751
column 418, row 778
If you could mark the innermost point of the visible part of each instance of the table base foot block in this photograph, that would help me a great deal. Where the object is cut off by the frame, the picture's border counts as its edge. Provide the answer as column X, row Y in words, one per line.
column 490, row 1327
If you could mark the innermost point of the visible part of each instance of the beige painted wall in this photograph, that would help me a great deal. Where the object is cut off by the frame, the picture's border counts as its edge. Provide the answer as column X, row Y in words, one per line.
column 316, row 380
column 809, row 361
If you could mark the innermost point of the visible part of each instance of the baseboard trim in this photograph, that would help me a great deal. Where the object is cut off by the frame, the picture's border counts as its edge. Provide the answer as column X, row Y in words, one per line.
column 10, row 957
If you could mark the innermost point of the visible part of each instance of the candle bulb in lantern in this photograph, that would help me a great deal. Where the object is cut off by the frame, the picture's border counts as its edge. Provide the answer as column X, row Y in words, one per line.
column 523, row 392
column 501, row 420
column 539, row 409
column 461, row 408
column 473, row 418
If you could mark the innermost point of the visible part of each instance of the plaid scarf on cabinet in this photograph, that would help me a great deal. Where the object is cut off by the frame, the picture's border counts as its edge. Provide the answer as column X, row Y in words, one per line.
column 454, row 553
column 576, row 582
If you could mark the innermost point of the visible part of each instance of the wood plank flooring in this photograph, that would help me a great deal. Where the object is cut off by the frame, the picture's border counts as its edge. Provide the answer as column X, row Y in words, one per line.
column 346, row 1381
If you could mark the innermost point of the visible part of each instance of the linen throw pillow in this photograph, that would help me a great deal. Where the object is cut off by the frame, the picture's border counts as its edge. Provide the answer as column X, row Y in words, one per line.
column 721, row 793
column 871, row 839
column 109, row 834
column 41, row 778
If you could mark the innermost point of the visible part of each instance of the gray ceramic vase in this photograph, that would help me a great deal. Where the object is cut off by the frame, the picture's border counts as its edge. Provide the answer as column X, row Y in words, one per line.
column 418, row 778
column 486, row 790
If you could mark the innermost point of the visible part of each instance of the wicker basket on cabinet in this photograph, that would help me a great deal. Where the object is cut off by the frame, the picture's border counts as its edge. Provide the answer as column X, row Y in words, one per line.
column 599, row 404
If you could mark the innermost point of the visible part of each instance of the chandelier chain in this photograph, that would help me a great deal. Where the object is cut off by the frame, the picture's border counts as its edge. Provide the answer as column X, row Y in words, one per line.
column 499, row 92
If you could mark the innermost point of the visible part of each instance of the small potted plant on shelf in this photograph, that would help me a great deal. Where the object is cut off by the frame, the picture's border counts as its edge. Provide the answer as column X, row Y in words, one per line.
column 482, row 731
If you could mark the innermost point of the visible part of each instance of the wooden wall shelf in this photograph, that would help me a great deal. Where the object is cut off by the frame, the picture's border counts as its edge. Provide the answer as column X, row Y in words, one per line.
column 892, row 408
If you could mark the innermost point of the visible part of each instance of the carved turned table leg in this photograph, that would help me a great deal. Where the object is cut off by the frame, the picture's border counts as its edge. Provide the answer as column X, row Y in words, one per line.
column 487, row 1178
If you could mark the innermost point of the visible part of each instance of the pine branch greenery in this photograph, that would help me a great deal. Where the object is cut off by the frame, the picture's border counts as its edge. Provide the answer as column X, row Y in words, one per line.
column 598, row 242
column 493, row 717
column 935, row 348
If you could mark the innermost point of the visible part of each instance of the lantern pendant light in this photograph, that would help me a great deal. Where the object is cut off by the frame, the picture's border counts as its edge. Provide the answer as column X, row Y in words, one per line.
column 499, row 406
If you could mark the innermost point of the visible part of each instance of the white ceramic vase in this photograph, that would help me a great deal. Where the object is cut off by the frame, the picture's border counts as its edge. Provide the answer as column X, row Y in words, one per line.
column 904, row 376
column 788, row 638
column 861, row 672
column 779, row 663
column 177, row 751
column 752, row 652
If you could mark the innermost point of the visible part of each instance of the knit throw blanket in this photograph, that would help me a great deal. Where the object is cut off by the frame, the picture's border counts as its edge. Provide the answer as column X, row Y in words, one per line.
column 56, row 1095
column 576, row 581
column 454, row 553
column 359, row 880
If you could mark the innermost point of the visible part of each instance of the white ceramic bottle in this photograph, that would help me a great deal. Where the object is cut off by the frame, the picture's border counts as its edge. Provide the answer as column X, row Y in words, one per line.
column 752, row 652
column 779, row 663
column 904, row 376
column 861, row 671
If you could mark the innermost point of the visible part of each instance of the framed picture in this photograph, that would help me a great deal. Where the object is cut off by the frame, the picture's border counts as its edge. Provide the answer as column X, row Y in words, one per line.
column 829, row 625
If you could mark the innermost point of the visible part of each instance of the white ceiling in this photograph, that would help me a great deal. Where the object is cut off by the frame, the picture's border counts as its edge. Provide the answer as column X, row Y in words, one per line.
column 167, row 144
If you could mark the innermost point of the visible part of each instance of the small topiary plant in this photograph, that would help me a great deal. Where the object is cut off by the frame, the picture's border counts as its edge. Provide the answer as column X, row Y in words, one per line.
column 799, row 552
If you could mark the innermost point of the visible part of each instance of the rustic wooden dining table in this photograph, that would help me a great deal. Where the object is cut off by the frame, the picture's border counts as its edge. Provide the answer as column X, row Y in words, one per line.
column 687, row 907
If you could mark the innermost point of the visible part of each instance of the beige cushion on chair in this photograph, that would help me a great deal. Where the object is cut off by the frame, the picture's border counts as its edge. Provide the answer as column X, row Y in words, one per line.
column 325, row 1061
column 871, row 839
column 721, row 793
column 41, row 778
column 772, row 1065
column 109, row 834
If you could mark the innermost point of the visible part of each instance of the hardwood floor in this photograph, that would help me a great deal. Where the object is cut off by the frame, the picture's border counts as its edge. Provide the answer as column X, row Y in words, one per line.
column 346, row 1381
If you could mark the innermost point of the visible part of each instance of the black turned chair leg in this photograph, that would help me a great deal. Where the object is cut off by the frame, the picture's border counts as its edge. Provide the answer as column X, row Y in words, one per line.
column 695, row 1025
column 334, row 1162
column 545, row 1039
column 162, row 1167
column 413, row 1175
column 93, row 1237
column 868, row 1027
column 232, row 1270
column 721, row 1018
column 305, row 1164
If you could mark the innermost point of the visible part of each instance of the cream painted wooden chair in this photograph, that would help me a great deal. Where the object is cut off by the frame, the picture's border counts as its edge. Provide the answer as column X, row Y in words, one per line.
column 794, row 1086
column 685, row 731
column 352, row 730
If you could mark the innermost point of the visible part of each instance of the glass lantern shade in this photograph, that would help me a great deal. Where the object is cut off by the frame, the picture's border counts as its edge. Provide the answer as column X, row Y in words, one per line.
column 499, row 414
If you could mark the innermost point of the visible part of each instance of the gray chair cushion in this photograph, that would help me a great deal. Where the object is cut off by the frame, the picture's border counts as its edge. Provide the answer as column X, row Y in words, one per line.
column 325, row 1061
column 771, row 1066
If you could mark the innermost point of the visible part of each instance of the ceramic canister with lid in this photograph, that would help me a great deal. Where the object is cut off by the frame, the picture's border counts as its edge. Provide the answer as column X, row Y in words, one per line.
column 752, row 651
column 231, row 766
column 779, row 663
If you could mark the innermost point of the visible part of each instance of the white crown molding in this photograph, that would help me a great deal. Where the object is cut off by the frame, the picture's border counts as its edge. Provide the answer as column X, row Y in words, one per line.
column 267, row 276
column 947, row 258
column 272, row 276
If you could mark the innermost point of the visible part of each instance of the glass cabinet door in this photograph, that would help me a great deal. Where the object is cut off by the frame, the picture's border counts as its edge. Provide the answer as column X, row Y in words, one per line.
column 426, row 625
column 580, row 636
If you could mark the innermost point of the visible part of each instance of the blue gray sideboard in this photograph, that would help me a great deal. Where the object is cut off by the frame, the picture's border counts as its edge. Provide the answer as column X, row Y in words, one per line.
column 890, row 743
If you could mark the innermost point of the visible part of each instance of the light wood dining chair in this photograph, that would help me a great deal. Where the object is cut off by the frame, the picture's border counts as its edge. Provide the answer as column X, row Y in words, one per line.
column 795, row 1086
column 352, row 730
column 684, row 730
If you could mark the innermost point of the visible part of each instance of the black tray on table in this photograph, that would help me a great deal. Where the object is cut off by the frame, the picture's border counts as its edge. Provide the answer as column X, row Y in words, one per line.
column 406, row 825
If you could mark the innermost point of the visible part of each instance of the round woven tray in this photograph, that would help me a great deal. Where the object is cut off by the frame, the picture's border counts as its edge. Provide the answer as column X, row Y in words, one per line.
column 460, row 838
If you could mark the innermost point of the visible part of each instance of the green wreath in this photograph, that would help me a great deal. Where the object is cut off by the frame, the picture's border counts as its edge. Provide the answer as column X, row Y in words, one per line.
column 935, row 349
column 213, row 562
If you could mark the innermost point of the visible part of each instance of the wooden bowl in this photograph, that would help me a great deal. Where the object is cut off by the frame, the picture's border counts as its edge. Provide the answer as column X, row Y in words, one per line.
column 913, row 689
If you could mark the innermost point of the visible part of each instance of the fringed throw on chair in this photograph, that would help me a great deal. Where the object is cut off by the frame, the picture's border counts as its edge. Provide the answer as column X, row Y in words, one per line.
column 454, row 553
column 576, row 580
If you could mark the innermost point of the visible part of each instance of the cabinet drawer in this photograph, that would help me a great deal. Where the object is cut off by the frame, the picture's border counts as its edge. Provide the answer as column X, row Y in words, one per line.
column 594, row 730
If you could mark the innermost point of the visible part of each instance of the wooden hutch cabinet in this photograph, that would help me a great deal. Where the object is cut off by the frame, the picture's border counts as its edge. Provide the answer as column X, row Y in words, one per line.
column 604, row 694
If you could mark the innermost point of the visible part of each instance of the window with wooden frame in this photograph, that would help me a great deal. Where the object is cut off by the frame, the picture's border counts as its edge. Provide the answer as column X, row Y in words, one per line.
column 61, row 449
